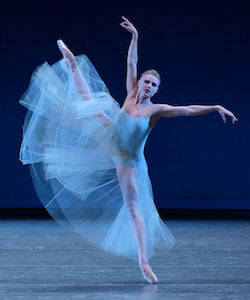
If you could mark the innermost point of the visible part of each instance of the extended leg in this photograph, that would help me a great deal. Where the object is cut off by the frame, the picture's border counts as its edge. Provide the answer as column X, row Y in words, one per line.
column 80, row 82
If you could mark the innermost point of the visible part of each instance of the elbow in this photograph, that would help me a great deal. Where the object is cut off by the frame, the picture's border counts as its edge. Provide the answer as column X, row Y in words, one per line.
column 188, row 112
column 131, row 63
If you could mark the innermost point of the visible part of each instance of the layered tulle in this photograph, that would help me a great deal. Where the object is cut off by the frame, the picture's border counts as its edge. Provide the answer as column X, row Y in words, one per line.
column 73, row 146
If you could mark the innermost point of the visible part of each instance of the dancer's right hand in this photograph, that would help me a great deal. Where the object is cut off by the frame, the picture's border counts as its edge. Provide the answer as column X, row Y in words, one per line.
column 129, row 26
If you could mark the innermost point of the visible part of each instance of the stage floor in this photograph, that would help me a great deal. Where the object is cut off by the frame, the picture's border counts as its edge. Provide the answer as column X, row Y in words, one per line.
column 41, row 260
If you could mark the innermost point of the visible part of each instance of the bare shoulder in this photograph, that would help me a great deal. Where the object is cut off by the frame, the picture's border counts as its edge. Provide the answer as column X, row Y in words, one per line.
column 157, row 112
column 154, row 114
column 162, row 108
column 158, row 109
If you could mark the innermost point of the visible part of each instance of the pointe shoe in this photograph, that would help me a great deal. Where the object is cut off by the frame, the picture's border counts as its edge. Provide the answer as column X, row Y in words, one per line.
column 62, row 47
column 67, row 54
column 147, row 272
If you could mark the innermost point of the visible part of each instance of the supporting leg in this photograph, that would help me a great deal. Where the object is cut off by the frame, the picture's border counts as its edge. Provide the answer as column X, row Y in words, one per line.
column 129, row 187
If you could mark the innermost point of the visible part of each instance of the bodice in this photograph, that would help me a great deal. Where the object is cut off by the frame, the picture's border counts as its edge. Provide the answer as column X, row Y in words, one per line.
column 132, row 133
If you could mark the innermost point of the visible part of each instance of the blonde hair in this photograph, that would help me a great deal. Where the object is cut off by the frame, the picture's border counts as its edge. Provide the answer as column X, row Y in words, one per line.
column 152, row 72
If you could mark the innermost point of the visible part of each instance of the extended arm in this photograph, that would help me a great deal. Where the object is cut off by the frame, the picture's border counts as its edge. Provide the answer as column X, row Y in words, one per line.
column 165, row 110
column 132, row 58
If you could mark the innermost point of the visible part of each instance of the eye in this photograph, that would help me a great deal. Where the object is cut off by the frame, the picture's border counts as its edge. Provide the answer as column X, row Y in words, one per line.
column 147, row 81
column 154, row 84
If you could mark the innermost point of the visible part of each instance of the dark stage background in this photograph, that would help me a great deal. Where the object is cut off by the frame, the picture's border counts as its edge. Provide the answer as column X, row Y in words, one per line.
column 202, row 51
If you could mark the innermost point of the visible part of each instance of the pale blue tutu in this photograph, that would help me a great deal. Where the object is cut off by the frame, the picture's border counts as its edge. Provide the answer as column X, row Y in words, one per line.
column 74, row 146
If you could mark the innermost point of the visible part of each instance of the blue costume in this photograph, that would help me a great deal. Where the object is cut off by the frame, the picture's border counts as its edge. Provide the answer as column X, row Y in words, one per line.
column 74, row 145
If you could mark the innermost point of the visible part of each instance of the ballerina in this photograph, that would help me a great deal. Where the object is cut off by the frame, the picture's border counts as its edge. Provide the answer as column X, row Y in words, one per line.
column 86, row 153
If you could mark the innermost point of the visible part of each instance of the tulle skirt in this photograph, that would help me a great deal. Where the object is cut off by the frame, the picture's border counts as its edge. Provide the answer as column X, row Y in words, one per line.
column 70, row 144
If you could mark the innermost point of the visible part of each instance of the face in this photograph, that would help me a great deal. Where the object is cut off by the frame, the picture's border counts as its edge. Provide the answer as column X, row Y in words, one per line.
column 148, row 85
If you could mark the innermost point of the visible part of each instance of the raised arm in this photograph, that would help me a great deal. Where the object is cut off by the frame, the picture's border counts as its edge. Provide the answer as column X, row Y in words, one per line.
column 132, row 58
column 165, row 110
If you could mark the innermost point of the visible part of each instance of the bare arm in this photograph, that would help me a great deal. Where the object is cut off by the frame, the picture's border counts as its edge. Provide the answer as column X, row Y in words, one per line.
column 132, row 58
column 165, row 110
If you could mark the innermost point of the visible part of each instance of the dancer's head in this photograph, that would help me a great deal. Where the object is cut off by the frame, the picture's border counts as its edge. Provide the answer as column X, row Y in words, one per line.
column 149, row 83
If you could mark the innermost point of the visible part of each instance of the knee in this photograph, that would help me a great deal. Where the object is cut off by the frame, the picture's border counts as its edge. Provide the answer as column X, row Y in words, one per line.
column 132, row 192
column 133, row 211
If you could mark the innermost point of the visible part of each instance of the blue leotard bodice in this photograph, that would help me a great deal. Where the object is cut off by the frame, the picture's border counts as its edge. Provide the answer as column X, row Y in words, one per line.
column 132, row 133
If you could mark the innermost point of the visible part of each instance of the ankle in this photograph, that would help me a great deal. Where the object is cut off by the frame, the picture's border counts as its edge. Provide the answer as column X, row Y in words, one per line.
column 143, row 261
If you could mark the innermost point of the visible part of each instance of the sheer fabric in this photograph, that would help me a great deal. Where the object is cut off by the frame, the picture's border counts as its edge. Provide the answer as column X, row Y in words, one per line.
column 73, row 146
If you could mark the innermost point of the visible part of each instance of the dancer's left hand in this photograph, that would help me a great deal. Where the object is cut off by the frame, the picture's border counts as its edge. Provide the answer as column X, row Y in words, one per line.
column 225, row 112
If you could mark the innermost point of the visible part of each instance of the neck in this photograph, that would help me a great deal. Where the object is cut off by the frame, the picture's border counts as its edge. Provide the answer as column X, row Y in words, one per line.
column 146, row 103
column 142, row 100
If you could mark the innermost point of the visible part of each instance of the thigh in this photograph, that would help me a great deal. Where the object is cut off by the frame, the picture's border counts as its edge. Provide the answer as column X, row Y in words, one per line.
column 128, row 182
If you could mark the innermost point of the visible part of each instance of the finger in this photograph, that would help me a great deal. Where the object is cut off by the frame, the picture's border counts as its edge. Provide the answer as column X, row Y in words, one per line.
column 127, row 21
column 125, row 18
column 223, row 117
column 233, row 117
column 124, row 25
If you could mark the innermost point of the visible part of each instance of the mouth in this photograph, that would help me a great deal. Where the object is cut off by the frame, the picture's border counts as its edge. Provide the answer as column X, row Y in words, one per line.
column 147, row 91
